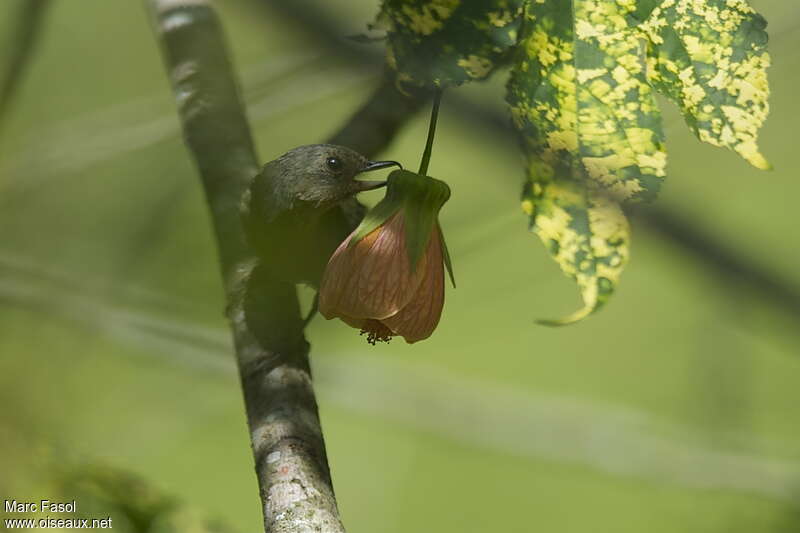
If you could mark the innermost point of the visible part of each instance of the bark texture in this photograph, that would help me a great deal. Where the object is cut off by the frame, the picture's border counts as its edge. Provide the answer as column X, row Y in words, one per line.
column 289, row 451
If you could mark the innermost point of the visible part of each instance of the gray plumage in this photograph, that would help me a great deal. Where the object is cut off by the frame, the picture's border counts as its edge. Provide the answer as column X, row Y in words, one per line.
column 296, row 210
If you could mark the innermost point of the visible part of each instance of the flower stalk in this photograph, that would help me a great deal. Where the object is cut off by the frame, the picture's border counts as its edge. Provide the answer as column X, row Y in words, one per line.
column 426, row 155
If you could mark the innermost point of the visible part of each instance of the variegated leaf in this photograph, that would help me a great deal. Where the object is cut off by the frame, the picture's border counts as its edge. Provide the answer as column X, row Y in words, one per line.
column 579, row 95
column 587, row 234
column 710, row 57
column 592, row 133
column 448, row 42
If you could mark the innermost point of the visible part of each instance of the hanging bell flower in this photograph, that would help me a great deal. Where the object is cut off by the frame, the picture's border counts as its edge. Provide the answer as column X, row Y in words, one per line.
column 387, row 277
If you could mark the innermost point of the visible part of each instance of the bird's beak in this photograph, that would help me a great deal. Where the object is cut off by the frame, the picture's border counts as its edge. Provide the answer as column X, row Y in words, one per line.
column 361, row 186
column 377, row 165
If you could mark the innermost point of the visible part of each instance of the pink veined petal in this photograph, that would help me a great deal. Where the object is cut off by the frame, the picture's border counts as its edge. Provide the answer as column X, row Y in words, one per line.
column 419, row 318
column 385, row 282
column 373, row 278
column 334, row 279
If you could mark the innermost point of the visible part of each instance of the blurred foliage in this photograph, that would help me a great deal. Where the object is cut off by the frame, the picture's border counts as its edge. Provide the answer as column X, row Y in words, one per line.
column 134, row 506
column 674, row 410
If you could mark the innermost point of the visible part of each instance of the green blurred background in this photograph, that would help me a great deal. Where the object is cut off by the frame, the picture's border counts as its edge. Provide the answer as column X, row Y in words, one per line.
column 673, row 409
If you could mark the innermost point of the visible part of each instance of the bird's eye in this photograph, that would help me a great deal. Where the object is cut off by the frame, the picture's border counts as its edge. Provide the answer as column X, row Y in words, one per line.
column 334, row 163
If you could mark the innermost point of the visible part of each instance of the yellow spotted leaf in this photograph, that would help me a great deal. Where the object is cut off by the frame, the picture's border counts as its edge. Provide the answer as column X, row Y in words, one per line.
column 448, row 42
column 580, row 97
column 586, row 233
column 592, row 133
column 711, row 58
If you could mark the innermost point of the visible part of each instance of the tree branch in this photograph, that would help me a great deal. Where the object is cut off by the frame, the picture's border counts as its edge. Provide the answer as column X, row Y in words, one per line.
column 272, row 357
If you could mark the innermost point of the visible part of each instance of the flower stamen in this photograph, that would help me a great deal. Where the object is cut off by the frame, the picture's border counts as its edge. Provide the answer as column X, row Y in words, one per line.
column 376, row 332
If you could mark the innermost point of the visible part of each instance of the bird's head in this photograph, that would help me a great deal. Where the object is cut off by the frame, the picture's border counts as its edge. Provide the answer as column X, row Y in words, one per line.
column 325, row 174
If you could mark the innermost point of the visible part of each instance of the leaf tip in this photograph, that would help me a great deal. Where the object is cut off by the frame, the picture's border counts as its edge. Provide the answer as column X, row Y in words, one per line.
column 756, row 159
column 577, row 316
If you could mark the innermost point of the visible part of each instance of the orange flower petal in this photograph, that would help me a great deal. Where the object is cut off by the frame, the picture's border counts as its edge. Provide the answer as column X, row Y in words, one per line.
column 334, row 280
column 417, row 320
column 373, row 278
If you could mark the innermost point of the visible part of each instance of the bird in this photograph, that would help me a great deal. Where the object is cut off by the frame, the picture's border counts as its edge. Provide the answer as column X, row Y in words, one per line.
column 295, row 211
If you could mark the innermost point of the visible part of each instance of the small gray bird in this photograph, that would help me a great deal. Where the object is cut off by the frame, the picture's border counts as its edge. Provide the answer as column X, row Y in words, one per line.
column 288, row 210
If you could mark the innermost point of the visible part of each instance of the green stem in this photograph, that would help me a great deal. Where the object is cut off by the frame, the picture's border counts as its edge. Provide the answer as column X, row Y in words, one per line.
column 426, row 155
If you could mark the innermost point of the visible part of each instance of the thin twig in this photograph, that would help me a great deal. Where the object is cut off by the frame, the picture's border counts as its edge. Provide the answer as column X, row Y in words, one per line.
column 291, row 464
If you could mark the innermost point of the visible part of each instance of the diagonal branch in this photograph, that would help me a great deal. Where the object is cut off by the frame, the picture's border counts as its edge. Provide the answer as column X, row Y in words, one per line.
column 291, row 464
column 376, row 123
